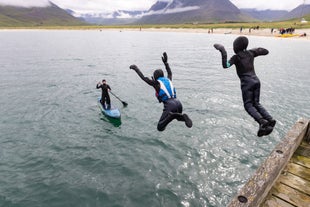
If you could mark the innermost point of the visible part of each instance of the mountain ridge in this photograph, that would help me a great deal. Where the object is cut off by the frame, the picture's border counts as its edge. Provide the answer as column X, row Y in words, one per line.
column 37, row 16
column 193, row 11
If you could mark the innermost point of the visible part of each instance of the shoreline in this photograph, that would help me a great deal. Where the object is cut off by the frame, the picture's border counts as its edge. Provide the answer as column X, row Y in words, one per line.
column 226, row 31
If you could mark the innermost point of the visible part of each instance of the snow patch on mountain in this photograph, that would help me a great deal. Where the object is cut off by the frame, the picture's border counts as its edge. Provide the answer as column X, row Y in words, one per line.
column 171, row 11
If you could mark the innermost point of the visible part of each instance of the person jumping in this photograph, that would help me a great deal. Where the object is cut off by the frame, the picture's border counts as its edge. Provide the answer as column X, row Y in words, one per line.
column 165, row 93
column 250, row 84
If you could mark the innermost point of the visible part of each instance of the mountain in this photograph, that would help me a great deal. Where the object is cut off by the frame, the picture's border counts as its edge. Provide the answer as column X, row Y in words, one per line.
column 193, row 11
column 278, row 15
column 266, row 15
column 298, row 12
column 11, row 16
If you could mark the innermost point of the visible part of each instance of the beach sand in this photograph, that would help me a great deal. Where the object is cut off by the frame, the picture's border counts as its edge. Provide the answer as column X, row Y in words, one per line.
column 260, row 32
column 227, row 31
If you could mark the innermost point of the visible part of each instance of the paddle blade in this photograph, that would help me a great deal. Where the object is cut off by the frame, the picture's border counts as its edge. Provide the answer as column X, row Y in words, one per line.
column 124, row 103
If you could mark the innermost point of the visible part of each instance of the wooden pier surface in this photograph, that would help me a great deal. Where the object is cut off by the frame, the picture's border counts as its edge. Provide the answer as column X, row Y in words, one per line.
column 283, row 180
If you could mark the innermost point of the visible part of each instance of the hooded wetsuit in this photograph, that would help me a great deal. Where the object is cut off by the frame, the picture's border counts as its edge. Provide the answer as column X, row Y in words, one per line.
column 250, row 84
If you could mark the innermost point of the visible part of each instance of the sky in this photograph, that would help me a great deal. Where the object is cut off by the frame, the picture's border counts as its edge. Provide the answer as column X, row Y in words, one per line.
column 98, row 6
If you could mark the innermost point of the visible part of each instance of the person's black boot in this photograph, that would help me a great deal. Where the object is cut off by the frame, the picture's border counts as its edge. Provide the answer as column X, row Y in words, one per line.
column 264, row 128
column 188, row 121
column 271, row 122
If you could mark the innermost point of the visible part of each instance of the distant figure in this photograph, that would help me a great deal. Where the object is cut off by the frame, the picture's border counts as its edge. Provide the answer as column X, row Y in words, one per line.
column 241, row 29
column 165, row 93
column 105, row 97
column 250, row 84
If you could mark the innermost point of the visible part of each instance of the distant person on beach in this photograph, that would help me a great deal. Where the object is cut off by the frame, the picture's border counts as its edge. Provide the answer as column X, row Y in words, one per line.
column 105, row 97
column 250, row 84
column 165, row 93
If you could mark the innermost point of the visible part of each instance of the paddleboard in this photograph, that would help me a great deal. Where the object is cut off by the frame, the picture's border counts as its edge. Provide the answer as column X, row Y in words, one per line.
column 112, row 112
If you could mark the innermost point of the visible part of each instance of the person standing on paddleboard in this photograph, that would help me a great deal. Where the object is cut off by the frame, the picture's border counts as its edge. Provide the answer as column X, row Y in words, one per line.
column 165, row 93
column 250, row 84
column 105, row 97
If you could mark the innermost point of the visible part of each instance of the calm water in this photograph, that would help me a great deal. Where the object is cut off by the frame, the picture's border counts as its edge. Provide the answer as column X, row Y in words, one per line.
column 57, row 149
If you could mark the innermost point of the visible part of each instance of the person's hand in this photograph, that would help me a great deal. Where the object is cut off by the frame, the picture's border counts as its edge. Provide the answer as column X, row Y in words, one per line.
column 165, row 58
column 219, row 47
column 133, row 67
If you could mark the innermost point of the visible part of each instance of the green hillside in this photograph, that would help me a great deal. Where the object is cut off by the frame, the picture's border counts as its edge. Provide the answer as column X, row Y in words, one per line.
column 37, row 16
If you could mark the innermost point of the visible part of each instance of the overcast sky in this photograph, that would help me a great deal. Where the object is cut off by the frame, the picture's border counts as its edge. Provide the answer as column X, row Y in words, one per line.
column 94, row 6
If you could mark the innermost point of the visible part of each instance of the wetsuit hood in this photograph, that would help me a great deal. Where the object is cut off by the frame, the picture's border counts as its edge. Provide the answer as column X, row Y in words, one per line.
column 158, row 73
column 240, row 44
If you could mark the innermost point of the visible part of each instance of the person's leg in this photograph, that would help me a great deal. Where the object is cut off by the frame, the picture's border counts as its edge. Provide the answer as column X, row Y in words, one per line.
column 105, row 102
column 165, row 118
column 173, row 110
column 177, row 114
column 248, row 95
column 108, row 101
column 102, row 101
column 248, row 102
column 260, row 108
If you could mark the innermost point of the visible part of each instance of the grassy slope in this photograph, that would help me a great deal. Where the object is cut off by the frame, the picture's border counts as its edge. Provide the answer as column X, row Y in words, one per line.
column 30, row 17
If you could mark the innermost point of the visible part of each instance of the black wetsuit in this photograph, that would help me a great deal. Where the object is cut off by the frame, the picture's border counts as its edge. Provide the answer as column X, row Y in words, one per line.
column 105, row 97
column 250, row 84
column 172, row 107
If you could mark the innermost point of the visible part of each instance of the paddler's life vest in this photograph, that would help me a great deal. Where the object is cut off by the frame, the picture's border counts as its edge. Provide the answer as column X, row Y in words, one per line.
column 166, row 91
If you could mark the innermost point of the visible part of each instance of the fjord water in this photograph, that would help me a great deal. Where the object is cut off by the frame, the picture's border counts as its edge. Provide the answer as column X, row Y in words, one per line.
column 57, row 149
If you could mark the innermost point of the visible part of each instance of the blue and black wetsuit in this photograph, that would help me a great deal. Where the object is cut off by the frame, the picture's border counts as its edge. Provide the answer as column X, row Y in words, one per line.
column 250, row 84
column 165, row 93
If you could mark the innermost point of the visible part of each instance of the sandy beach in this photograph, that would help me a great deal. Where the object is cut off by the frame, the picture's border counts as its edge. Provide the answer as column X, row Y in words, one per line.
column 299, row 33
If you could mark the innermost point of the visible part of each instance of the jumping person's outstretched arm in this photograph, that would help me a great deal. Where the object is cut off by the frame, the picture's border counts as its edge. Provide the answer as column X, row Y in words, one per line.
column 140, row 74
column 221, row 48
column 259, row 51
column 165, row 61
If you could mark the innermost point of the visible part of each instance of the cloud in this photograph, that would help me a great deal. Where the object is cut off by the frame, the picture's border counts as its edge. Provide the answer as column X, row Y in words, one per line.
column 25, row 3
column 103, row 6
column 174, row 10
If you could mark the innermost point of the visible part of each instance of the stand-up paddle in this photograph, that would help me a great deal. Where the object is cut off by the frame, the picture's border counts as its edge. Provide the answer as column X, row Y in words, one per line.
column 123, row 102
